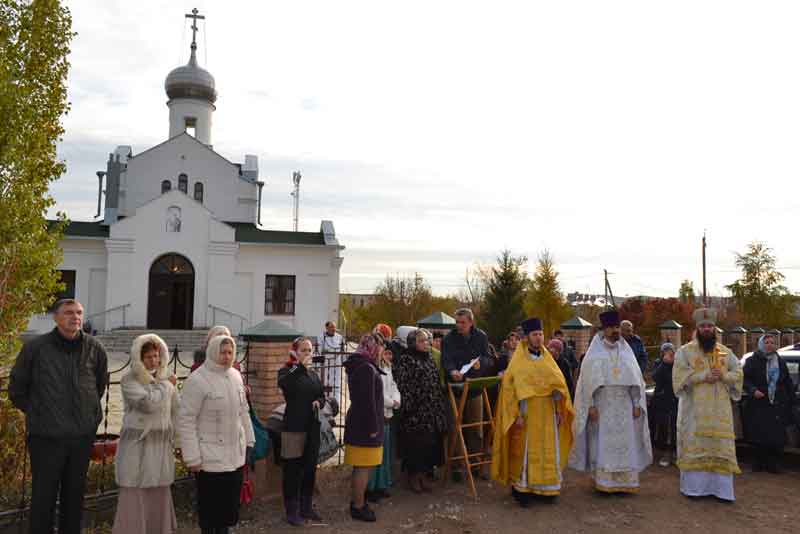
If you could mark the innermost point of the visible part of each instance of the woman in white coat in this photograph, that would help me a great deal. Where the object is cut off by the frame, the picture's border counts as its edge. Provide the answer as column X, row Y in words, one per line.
column 145, row 462
column 214, row 429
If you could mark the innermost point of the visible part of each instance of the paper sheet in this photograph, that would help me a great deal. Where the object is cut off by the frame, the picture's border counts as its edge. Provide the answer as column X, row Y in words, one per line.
column 464, row 370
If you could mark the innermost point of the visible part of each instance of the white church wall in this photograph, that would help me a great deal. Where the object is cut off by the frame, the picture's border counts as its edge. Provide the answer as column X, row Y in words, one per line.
column 87, row 257
column 227, row 195
column 316, row 282
column 138, row 241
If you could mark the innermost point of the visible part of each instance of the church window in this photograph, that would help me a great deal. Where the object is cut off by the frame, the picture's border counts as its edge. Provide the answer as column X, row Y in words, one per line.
column 68, row 279
column 198, row 192
column 183, row 183
column 166, row 186
column 279, row 295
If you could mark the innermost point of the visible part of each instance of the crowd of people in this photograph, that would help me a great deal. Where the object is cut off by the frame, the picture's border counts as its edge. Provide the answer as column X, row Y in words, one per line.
column 553, row 409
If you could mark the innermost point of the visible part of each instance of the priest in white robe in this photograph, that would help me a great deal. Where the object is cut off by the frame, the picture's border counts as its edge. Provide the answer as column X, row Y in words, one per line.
column 706, row 377
column 612, row 439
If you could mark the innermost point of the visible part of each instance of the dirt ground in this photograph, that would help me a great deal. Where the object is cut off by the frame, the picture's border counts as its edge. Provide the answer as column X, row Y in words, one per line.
column 765, row 503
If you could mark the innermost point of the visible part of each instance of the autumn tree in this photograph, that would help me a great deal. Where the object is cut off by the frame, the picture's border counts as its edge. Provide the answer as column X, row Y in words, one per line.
column 686, row 292
column 34, row 45
column 506, row 286
column 544, row 299
column 759, row 293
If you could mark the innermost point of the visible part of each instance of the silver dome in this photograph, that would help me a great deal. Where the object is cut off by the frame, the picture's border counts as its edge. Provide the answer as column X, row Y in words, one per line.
column 191, row 81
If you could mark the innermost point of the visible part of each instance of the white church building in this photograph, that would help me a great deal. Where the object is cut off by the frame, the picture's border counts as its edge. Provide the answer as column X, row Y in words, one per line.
column 180, row 244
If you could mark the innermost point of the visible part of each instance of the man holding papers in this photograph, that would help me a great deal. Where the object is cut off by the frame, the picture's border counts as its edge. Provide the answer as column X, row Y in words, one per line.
column 465, row 354
column 533, row 431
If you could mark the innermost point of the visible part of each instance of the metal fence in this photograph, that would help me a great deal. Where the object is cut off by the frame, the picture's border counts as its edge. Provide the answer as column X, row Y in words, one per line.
column 103, row 498
column 329, row 365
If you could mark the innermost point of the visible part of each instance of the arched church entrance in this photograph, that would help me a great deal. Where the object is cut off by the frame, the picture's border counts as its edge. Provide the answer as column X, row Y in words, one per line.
column 170, row 301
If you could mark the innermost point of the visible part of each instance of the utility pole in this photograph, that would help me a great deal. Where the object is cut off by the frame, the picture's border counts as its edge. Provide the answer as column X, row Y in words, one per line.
column 608, row 291
column 296, row 194
column 705, row 293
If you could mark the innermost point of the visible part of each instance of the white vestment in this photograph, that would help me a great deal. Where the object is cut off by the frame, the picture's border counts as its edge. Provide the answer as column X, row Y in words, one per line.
column 617, row 446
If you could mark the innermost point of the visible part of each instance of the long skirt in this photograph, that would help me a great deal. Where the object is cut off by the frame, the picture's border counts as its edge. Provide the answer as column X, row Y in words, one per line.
column 145, row 511
column 381, row 476
column 421, row 451
column 218, row 498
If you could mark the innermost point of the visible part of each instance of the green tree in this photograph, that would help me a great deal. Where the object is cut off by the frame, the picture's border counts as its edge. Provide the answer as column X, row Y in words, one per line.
column 34, row 45
column 504, row 296
column 686, row 292
column 545, row 299
column 759, row 294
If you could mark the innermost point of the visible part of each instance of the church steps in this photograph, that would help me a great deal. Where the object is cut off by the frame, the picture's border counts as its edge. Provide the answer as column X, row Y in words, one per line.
column 121, row 340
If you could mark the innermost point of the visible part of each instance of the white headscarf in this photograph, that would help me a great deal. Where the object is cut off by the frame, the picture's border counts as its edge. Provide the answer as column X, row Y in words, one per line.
column 213, row 350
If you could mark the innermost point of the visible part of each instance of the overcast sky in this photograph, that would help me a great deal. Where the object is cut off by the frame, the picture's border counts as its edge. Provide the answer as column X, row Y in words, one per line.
column 435, row 134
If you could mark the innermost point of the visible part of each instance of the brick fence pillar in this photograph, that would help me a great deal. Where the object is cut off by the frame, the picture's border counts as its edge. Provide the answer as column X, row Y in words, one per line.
column 578, row 330
column 788, row 337
column 752, row 338
column 737, row 340
column 671, row 332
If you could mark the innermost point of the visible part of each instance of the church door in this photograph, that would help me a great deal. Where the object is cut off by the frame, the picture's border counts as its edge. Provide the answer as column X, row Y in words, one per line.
column 170, row 303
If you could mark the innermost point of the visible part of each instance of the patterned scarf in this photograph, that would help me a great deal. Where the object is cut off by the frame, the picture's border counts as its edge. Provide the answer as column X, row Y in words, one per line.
column 773, row 369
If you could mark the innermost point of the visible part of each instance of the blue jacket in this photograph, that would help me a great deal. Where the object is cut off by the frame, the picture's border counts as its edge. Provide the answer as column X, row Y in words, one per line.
column 638, row 350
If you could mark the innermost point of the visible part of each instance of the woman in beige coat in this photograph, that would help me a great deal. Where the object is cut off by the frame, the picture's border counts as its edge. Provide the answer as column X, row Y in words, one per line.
column 145, row 462
column 214, row 429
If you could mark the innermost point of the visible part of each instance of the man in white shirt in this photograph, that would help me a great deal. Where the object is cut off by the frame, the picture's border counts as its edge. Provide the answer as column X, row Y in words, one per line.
column 330, row 344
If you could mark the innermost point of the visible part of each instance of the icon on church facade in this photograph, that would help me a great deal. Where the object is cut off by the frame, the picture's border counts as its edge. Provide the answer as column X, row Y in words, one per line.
column 173, row 219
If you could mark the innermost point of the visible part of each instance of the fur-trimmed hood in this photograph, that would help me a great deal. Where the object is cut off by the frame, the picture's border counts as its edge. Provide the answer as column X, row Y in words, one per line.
column 138, row 370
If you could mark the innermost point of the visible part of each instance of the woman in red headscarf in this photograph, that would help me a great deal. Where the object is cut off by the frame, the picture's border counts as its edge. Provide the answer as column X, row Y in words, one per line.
column 363, row 429
column 300, row 438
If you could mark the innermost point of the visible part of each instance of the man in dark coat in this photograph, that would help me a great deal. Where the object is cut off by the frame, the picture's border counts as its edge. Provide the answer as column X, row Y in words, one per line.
column 626, row 329
column 465, row 344
column 57, row 381
column 664, row 410
column 768, row 408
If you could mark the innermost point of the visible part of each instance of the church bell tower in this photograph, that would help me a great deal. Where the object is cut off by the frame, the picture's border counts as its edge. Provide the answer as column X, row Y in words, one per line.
column 192, row 93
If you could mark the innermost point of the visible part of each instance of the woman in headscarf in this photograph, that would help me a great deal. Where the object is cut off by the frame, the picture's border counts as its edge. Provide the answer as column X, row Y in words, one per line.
column 214, row 430
column 423, row 414
column 300, row 438
column 556, row 348
column 665, row 405
column 768, row 410
column 145, row 462
column 200, row 355
column 380, row 479
column 363, row 428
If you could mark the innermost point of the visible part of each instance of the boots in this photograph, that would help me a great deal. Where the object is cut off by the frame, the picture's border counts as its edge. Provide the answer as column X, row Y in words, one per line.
column 307, row 509
column 292, row 506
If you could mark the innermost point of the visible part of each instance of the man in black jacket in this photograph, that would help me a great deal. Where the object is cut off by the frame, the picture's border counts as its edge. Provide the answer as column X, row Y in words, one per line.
column 460, row 347
column 57, row 381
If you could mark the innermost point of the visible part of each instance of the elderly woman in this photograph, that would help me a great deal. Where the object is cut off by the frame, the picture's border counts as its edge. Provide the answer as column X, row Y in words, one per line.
column 214, row 429
column 145, row 463
column 363, row 428
column 768, row 410
column 423, row 414
column 300, row 438
column 665, row 405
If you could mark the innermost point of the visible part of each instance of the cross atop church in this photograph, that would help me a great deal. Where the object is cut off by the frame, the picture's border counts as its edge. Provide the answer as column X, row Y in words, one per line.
column 194, row 16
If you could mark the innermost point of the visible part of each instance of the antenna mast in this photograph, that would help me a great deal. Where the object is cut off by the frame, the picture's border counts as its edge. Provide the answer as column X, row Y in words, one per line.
column 296, row 194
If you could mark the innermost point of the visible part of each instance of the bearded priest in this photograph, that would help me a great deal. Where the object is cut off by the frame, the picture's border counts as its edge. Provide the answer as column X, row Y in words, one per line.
column 706, row 377
column 533, row 432
column 612, row 439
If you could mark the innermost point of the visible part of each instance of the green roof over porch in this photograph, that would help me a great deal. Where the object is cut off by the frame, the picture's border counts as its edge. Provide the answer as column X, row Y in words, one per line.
column 437, row 320
column 576, row 323
column 270, row 330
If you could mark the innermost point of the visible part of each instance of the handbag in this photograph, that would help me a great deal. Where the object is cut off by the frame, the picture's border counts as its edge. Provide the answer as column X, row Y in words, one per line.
column 246, row 493
column 292, row 445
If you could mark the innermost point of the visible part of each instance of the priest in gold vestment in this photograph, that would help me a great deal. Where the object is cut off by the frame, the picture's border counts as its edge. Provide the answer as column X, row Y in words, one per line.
column 706, row 377
column 533, row 431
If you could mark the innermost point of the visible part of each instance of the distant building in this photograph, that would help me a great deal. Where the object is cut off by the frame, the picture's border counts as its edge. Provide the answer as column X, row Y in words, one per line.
column 358, row 300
